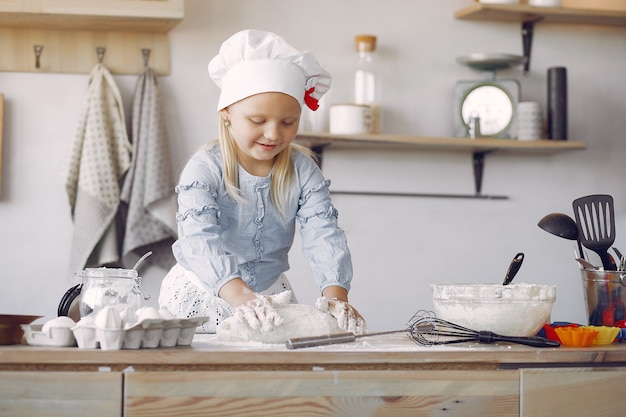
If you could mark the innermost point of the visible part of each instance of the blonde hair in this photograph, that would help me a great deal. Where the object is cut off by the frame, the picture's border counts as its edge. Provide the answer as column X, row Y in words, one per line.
column 283, row 172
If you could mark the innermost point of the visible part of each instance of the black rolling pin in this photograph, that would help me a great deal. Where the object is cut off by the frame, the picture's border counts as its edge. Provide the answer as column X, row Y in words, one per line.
column 348, row 337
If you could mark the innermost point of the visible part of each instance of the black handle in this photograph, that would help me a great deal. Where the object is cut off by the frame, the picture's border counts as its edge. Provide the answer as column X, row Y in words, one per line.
column 312, row 341
column 607, row 261
column 515, row 265
column 534, row 341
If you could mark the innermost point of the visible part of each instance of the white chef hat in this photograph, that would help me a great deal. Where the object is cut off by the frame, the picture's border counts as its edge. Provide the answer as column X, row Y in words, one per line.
column 252, row 62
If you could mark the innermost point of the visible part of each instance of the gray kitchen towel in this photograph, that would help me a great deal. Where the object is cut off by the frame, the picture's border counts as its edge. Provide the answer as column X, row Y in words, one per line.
column 148, row 192
column 98, row 159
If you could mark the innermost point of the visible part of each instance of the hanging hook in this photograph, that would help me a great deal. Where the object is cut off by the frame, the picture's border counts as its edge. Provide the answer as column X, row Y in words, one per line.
column 38, row 49
column 146, row 56
column 100, row 50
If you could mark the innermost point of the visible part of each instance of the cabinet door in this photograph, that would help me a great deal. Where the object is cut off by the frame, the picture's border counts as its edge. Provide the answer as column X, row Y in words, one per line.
column 60, row 394
column 322, row 393
column 567, row 392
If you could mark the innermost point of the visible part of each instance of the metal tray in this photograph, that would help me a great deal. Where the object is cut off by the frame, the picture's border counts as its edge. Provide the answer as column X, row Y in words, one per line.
column 491, row 61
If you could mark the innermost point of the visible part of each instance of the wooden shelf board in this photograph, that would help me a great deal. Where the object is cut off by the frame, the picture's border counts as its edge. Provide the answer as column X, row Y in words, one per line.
column 70, row 31
column 121, row 15
column 441, row 143
column 525, row 13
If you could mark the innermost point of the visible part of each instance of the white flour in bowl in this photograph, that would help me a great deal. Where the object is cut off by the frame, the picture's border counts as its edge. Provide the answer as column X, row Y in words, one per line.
column 509, row 310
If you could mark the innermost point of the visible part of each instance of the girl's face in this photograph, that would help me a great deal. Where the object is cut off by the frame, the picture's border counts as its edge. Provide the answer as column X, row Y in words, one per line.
column 262, row 125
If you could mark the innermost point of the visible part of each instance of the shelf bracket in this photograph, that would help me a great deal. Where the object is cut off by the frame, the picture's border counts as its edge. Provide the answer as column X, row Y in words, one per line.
column 527, row 42
column 478, row 163
column 528, row 28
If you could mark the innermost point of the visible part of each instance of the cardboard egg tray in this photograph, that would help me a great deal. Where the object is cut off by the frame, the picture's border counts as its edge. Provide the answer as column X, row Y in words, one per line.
column 147, row 334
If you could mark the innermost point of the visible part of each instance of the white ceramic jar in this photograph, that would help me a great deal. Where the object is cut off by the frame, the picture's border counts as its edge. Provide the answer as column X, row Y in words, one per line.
column 350, row 119
column 499, row 1
column 545, row 3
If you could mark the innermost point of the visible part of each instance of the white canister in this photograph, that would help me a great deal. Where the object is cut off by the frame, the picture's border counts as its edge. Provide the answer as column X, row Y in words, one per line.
column 545, row 3
column 499, row 1
column 529, row 121
column 350, row 119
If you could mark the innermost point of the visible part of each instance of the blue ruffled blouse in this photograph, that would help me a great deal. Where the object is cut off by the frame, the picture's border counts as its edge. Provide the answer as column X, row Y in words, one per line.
column 221, row 238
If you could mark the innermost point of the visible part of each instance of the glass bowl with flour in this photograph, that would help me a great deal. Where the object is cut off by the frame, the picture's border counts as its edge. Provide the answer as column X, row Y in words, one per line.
column 509, row 310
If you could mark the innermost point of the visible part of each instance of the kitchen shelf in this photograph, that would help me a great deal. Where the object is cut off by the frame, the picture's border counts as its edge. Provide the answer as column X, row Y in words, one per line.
column 524, row 13
column 479, row 147
column 70, row 31
column 529, row 15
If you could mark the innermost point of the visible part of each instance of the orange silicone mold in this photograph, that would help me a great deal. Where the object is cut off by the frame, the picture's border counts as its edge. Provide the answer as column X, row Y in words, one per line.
column 576, row 336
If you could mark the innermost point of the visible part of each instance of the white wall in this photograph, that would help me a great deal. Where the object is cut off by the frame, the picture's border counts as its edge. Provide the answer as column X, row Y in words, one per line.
column 400, row 245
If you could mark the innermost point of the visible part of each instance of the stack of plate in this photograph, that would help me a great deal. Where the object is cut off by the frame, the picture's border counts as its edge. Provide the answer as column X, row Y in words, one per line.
column 529, row 121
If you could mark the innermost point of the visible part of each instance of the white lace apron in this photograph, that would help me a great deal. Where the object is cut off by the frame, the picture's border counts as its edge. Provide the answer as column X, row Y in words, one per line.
column 183, row 295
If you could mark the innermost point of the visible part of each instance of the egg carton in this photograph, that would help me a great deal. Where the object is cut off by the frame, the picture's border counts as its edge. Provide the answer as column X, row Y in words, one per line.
column 147, row 334
column 54, row 336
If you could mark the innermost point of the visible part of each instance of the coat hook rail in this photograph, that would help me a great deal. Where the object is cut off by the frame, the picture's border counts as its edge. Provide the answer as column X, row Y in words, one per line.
column 38, row 49
column 100, row 50
column 146, row 56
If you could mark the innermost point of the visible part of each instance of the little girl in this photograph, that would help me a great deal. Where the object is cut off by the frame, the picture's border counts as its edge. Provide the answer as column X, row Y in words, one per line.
column 240, row 197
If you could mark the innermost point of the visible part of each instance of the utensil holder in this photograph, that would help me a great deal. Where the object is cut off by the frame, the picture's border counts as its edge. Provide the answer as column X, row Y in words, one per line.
column 605, row 296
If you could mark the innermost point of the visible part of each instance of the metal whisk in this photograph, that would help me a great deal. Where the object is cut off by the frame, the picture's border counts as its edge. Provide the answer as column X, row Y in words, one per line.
column 444, row 332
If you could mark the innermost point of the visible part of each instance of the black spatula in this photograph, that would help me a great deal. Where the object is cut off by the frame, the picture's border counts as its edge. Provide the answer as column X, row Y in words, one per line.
column 595, row 218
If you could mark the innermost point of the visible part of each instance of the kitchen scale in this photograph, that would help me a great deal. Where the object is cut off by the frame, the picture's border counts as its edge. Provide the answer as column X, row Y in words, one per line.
column 492, row 100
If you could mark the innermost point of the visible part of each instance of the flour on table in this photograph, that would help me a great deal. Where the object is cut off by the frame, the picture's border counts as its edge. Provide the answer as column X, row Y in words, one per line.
column 299, row 320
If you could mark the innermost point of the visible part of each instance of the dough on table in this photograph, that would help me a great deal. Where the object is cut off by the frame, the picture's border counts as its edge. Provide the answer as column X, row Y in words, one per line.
column 299, row 320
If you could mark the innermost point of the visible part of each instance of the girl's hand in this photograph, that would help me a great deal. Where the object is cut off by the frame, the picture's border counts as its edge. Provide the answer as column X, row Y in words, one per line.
column 261, row 313
column 348, row 318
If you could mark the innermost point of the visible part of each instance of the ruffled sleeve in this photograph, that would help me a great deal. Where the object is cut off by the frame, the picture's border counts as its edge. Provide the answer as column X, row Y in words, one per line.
column 199, row 247
column 324, row 243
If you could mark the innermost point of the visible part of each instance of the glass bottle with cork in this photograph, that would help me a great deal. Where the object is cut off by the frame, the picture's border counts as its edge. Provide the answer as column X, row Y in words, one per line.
column 365, row 78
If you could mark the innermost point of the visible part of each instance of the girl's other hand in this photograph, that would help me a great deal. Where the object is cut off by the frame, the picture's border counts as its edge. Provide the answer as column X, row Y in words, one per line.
column 261, row 312
column 348, row 318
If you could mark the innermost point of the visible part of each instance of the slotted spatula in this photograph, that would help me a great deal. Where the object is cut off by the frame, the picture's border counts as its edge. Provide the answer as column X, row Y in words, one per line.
column 595, row 218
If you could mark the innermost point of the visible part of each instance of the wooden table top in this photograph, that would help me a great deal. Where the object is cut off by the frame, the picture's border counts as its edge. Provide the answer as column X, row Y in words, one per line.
column 384, row 352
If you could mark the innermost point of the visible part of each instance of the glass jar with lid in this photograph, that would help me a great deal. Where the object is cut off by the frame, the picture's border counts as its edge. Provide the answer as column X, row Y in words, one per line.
column 366, row 84
column 102, row 287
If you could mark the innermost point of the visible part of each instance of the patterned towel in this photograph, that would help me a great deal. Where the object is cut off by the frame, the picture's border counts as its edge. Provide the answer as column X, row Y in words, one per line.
column 148, row 191
column 97, row 161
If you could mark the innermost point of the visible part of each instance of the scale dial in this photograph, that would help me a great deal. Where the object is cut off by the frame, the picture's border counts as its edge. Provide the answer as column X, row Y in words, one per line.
column 492, row 103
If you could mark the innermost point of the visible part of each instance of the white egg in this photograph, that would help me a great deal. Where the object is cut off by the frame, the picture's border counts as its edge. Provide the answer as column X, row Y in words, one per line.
column 87, row 321
column 109, row 318
column 166, row 314
column 129, row 317
column 144, row 313
column 61, row 322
